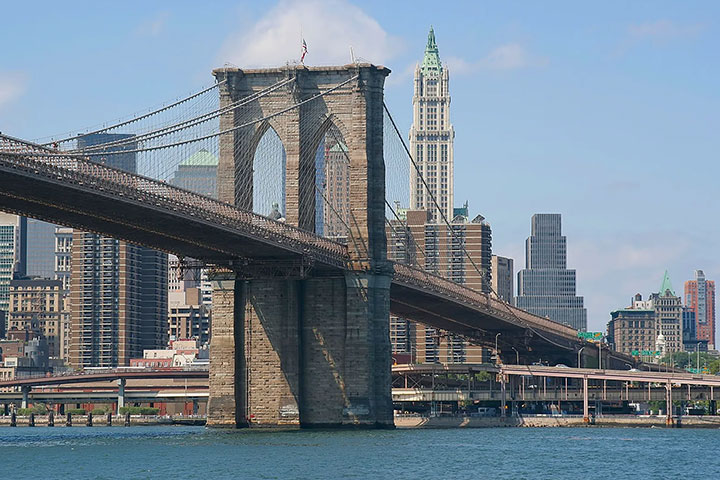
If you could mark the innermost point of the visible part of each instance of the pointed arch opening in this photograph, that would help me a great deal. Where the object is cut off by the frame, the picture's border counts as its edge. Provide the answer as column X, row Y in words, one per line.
column 269, row 174
column 332, row 182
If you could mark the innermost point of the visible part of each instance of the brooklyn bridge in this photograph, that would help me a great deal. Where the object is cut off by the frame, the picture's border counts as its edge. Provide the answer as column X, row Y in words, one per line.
column 302, row 294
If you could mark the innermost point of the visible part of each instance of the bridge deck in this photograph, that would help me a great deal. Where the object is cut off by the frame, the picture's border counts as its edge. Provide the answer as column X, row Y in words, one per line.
column 77, row 192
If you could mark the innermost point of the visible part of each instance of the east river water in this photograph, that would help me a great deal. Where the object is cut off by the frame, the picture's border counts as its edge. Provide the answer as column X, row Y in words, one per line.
column 507, row 453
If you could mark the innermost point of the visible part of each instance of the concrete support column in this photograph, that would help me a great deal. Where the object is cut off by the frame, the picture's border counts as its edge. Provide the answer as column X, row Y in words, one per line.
column 121, row 394
column 25, row 396
column 226, row 405
column 586, row 408
column 503, row 400
column 668, row 403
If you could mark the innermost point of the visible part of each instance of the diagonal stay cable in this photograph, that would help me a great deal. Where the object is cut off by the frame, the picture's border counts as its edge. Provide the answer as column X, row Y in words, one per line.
column 454, row 234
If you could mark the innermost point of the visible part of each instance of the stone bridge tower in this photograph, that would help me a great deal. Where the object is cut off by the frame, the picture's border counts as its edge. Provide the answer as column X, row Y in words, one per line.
column 307, row 349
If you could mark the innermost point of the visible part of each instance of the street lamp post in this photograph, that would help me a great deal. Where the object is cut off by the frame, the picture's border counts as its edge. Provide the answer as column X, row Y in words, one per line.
column 579, row 352
column 497, row 354
column 517, row 355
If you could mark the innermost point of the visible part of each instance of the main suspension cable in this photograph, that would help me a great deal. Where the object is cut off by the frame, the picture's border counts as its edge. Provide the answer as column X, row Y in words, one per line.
column 136, row 119
column 182, row 125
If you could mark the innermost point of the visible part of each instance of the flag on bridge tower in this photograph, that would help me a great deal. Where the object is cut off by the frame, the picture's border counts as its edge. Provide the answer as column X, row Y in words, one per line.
column 304, row 51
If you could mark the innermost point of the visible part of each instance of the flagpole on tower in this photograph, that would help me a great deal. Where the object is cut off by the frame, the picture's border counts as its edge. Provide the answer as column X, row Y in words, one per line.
column 303, row 46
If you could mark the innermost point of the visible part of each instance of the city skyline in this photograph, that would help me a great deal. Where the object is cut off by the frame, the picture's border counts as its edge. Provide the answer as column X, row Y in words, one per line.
column 622, row 107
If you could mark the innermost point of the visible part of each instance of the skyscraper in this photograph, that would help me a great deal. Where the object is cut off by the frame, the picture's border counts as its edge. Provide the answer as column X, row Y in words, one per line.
column 432, row 136
column 336, row 189
column 502, row 278
column 118, row 291
column 414, row 239
column 198, row 173
column 700, row 298
column 40, row 249
column 13, row 259
column 546, row 287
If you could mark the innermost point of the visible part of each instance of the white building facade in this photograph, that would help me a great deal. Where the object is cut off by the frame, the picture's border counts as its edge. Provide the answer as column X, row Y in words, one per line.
column 432, row 136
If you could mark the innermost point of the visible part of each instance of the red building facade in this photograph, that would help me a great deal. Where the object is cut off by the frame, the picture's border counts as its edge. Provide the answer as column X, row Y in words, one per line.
column 700, row 298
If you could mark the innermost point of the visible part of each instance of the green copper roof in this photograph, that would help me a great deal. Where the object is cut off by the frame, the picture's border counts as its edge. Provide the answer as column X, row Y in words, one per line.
column 339, row 147
column 201, row 158
column 666, row 285
column 431, row 61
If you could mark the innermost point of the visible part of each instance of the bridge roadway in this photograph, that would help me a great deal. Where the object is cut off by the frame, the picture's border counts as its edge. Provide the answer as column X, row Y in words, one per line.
column 43, row 184
column 109, row 386
column 411, row 383
column 105, row 376
column 580, row 384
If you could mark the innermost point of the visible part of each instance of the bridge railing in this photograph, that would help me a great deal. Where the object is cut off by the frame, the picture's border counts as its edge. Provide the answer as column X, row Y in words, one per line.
column 447, row 288
column 81, row 171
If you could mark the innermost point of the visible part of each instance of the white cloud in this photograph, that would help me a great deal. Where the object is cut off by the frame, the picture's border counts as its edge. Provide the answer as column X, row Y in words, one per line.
column 153, row 26
column 460, row 66
column 511, row 56
column 401, row 76
column 664, row 29
column 330, row 28
column 603, row 259
column 611, row 270
column 12, row 86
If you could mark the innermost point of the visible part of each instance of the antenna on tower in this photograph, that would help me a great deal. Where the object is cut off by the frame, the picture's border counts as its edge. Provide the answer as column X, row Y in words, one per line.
column 352, row 55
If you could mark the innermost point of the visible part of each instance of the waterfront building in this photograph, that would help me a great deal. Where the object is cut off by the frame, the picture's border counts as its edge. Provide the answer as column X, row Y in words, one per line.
column 37, row 305
column 63, row 257
column 633, row 328
column 546, row 287
column 119, row 308
column 668, row 315
column 689, row 333
column 432, row 136
column 188, row 317
column 502, row 273
column 181, row 353
column 118, row 291
column 700, row 298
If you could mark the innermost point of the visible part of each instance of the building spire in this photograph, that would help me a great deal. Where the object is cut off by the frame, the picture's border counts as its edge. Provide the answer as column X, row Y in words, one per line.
column 666, row 285
column 431, row 61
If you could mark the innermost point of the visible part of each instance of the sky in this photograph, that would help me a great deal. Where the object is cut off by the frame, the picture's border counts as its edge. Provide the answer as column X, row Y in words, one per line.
column 607, row 112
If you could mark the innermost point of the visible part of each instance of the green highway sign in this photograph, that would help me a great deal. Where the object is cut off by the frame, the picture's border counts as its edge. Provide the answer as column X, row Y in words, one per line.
column 645, row 353
column 590, row 335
